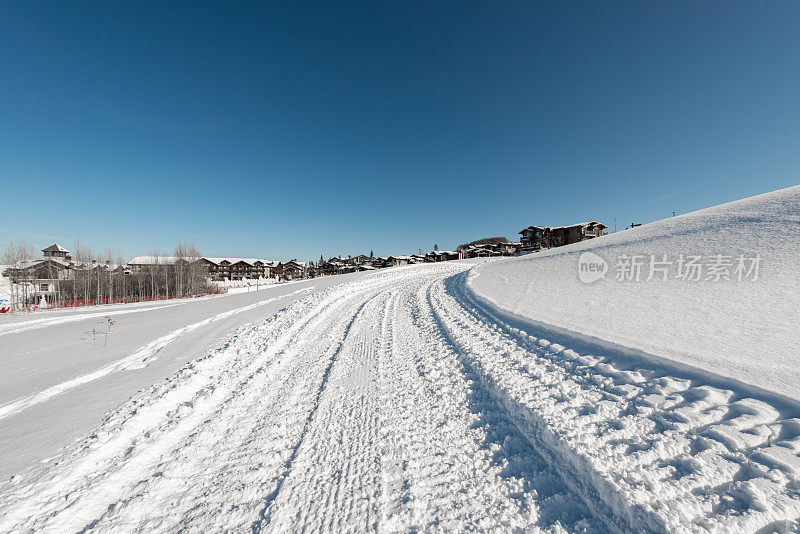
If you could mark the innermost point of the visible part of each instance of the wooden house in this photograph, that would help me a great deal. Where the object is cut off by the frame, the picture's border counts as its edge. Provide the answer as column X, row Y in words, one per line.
column 237, row 268
column 44, row 277
column 538, row 237
column 290, row 270
column 508, row 248
column 397, row 261
column 56, row 251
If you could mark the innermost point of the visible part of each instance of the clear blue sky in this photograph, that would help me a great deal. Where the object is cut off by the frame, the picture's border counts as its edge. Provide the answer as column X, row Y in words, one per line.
column 295, row 129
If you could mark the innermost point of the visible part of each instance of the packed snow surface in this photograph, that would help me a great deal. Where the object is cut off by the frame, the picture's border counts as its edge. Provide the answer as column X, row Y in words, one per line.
column 747, row 331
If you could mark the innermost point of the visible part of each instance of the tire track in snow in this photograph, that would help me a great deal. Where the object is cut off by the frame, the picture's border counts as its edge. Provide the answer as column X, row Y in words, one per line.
column 166, row 445
column 142, row 438
column 236, row 472
column 392, row 445
column 661, row 453
column 266, row 515
column 471, row 367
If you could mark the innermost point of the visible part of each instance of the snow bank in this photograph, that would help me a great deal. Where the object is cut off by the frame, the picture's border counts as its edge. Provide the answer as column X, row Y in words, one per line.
column 241, row 286
column 745, row 330
column 5, row 289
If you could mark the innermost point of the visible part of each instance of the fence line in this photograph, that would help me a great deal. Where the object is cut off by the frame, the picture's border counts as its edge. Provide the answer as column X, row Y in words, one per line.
column 212, row 290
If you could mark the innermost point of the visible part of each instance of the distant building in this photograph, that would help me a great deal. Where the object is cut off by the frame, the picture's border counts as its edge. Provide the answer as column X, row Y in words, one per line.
column 54, row 274
column 290, row 270
column 508, row 248
column 359, row 259
column 479, row 251
column 397, row 261
column 441, row 255
column 55, row 265
column 218, row 269
column 538, row 237
column 142, row 263
column 533, row 238
column 238, row 268
column 56, row 251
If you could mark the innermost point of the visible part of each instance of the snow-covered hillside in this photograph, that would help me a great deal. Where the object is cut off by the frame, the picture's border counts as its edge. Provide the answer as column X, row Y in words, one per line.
column 746, row 330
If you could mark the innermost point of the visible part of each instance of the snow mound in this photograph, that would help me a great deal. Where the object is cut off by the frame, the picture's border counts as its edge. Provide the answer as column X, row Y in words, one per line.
column 735, row 316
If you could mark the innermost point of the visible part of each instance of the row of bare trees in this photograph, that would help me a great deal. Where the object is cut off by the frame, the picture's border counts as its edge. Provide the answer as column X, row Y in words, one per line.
column 100, row 278
column 166, row 275
column 95, row 277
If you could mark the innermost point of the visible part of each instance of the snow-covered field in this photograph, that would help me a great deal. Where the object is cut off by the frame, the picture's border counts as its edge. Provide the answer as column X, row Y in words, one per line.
column 440, row 397
column 63, row 369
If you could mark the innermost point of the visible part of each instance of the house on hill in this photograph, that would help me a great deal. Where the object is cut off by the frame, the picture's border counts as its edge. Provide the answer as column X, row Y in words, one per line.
column 441, row 255
column 538, row 237
column 508, row 248
column 359, row 259
column 396, row 261
column 479, row 251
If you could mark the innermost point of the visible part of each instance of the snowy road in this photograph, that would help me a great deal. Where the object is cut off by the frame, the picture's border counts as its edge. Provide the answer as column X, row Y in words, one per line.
column 397, row 402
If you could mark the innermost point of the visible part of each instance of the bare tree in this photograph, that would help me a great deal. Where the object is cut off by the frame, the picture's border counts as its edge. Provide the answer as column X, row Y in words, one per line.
column 17, row 256
column 108, row 258
column 165, row 269
column 152, row 268
column 197, row 277
column 180, row 266
column 83, row 259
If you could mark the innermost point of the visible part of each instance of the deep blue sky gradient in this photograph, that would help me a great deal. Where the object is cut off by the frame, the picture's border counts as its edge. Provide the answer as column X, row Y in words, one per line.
column 297, row 129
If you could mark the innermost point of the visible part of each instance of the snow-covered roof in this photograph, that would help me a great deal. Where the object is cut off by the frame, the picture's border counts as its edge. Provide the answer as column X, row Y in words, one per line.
column 531, row 228
column 55, row 247
column 32, row 263
column 153, row 260
column 95, row 264
column 442, row 252
column 585, row 223
column 249, row 261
